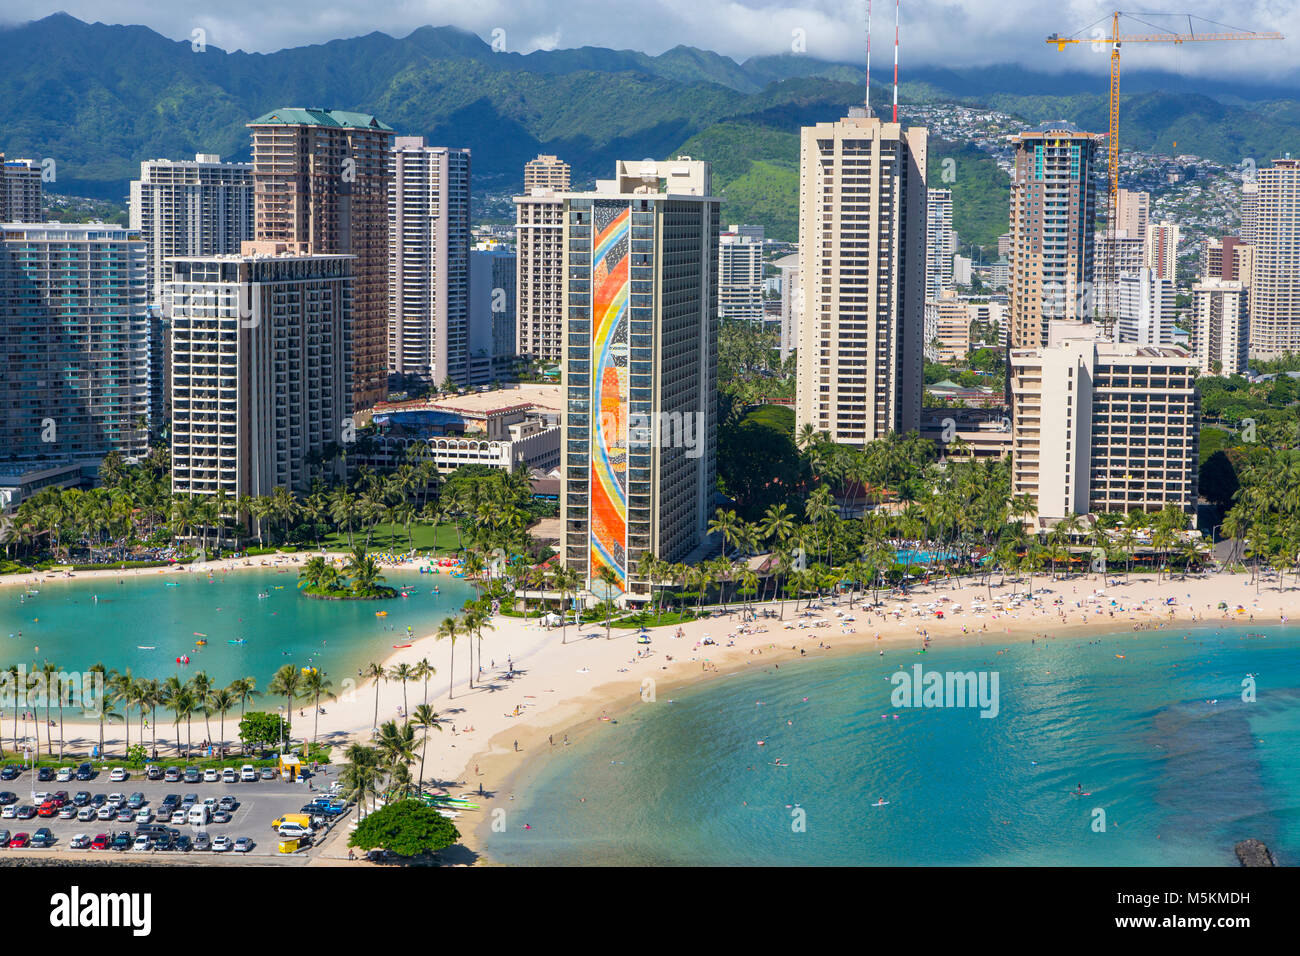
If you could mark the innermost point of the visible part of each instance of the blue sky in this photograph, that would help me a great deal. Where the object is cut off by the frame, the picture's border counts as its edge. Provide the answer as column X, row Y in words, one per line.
column 934, row 32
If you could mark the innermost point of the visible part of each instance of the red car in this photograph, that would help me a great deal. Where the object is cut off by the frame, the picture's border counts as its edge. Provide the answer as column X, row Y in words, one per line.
column 19, row 840
column 47, row 809
column 100, row 842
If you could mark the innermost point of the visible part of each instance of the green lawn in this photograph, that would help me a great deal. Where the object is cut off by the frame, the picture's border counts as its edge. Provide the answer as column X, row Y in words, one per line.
column 388, row 537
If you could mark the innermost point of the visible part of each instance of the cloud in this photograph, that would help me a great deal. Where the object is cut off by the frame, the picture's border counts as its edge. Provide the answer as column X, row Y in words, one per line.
column 932, row 32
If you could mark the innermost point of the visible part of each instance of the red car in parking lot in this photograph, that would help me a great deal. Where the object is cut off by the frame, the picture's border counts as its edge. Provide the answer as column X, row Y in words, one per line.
column 19, row 840
column 47, row 809
column 100, row 842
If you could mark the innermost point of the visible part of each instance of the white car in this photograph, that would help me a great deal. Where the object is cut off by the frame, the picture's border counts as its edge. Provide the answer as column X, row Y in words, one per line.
column 248, row 773
column 80, row 842
column 64, row 775
column 211, row 776
column 118, row 774
column 179, row 816
column 106, row 812
column 86, row 814
column 228, row 775
column 116, row 799
column 221, row 844
column 145, row 815
column 68, row 812
column 141, row 843
column 10, row 812
column 210, row 802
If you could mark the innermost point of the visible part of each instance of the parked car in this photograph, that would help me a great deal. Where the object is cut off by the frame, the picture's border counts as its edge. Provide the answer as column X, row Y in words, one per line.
column 106, row 812
column 248, row 773
column 116, row 799
column 4, row 838
column 222, row 844
column 26, row 813
column 7, row 797
column 164, row 842
column 172, row 774
column 192, row 775
column 142, row 843
column 85, row 772
column 122, row 840
column 19, row 840
column 243, row 845
column 154, row 772
column 9, row 772
column 86, row 814
column 98, row 800
column 47, row 809
column 68, row 813
column 178, row 816
column 81, row 798
column 211, row 776
column 9, row 812
column 136, row 801
column 65, row 774
column 228, row 775
column 189, row 800
column 44, row 774
column 268, row 773
column 125, row 816
column 228, row 802
column 202, row 841
column 42, row 839
column 221, row 816
column 118, row 774
column 100, row 842
column 79, row 842
column 144, row 815
column 184, row 844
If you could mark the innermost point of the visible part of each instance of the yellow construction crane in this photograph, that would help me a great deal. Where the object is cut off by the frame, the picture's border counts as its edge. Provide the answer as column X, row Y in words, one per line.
column 1116, row 40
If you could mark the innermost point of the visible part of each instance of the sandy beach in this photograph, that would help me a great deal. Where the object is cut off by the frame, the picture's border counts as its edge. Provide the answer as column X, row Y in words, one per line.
column 539, row 684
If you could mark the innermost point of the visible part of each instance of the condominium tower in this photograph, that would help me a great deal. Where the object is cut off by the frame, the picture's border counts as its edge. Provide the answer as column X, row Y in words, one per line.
column 939, row 244
column 321, row 186
column 1275, row 273
column 75, row 336
column 261, row 370
column 1221, row 326
column 640, row 370
column 1099, row 426
column 429, row 243
column 862, row 253
column 740, row 277
column 546, row 172
column 1053, row 208
column 198, row 207
column 21, row 197
column 539, row 279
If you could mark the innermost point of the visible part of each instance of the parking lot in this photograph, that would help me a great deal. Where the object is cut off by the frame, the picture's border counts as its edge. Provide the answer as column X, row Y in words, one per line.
column 257, row 804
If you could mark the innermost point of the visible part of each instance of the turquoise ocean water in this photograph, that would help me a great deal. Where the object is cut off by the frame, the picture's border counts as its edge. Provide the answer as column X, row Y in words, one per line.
column 73, row 630
column 1179, row 778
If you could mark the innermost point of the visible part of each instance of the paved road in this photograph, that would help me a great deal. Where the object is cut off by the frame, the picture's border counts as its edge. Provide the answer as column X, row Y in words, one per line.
column 258, row 804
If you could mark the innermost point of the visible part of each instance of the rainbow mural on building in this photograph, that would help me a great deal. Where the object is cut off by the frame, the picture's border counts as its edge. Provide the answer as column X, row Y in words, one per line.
column 611, row 239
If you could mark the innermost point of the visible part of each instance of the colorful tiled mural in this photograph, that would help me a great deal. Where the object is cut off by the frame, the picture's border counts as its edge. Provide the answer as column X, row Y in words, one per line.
column 611, row 236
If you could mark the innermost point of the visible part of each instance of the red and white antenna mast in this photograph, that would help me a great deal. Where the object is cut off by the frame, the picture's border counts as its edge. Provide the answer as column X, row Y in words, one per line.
column 896, row 60
column 868, row 57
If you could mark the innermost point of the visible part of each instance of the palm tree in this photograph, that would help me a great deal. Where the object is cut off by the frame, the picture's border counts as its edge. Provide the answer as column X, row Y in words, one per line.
column 361, row 775
column 244, row 689
column 424, row 718
column 403, row 673
column 450, row 630
column 314, row 685
column 121, row 693
column 100, row 675
column 183, row 704
column 608, row 577
column 202, row 685
column 222, row 701
column 422, row 672
column 377, row 674
column 396, row 745
column 565, row 580
column 286, row 683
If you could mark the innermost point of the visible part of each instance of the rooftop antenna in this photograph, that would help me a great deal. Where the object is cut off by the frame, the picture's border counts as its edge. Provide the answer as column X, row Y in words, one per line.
column 868, row 57
column 896, row 60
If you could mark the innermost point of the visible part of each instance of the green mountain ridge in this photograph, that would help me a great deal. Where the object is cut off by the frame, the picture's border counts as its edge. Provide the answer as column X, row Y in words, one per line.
column 100, row 98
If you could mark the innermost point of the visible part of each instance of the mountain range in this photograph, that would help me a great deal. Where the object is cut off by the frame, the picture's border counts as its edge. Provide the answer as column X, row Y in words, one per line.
column 100, row 98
